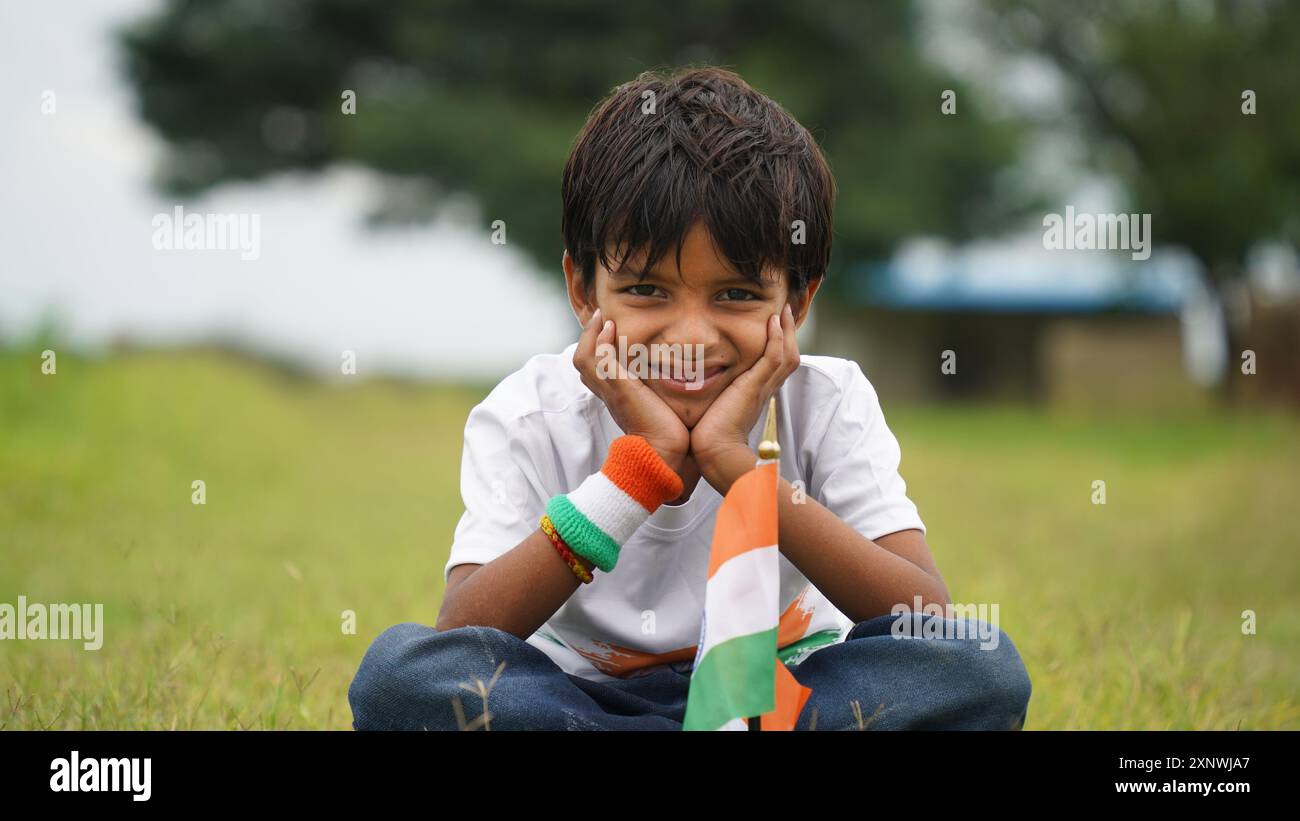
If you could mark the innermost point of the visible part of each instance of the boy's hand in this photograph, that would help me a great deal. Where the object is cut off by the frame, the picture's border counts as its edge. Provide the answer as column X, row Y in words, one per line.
column 636, row 408
column 720, row 440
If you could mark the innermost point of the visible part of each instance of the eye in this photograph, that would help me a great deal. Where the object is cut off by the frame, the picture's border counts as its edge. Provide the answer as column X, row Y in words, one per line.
column 632, row 289
column 740, row 294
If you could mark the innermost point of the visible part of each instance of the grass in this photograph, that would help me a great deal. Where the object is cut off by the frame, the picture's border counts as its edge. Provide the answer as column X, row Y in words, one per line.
column 323, row 498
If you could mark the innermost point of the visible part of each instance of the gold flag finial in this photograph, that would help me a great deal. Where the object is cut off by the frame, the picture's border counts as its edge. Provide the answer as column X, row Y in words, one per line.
column 770, row 448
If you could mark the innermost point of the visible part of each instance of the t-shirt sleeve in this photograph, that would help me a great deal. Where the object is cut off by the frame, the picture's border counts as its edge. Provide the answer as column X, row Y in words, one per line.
column 855, row 470
column 500, row 485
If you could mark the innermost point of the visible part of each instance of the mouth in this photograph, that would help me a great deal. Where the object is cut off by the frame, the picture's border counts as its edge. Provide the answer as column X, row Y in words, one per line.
column 698, row 382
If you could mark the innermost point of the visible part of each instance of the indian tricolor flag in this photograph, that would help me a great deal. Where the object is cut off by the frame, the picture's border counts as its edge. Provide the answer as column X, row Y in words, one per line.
column 737, row 674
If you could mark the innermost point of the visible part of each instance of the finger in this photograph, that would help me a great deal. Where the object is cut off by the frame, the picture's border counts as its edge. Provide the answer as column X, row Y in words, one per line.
column 791, row 341
column 608, row 333
column 789, row 353
column 757, row 378
column 774, row 353
column 623, row 388
column 587, row 341
column 617, row 379
column 779, row 353
column 584, row 358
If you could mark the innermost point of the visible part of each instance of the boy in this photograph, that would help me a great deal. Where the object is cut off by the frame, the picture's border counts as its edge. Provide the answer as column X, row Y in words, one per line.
column 697, row 223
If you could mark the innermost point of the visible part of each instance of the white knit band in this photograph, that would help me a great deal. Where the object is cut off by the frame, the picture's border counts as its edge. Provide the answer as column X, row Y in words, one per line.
column 608, row 507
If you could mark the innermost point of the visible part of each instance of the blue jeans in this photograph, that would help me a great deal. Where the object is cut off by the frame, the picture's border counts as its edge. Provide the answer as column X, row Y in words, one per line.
column 412, row 676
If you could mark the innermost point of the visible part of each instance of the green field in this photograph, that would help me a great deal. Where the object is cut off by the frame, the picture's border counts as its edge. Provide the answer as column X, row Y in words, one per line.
column 327, row 497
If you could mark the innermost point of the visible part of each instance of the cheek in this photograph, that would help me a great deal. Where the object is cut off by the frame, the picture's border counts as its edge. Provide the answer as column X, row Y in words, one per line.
column 630, row 326
column 751, row 342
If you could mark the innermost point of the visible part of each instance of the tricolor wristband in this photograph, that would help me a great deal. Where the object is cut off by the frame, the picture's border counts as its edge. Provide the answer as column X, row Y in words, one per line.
column 602, row 514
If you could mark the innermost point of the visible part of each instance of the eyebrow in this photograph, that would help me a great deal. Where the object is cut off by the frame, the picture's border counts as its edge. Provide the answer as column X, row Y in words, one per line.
column 734, row 279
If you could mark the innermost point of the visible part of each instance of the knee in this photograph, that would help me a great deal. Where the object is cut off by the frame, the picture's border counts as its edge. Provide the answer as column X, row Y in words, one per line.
column 378, row 680
column 410, row 663
column 995, row 669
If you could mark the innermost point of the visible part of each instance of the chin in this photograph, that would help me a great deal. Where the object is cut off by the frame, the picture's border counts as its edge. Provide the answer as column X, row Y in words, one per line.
column 689, row 410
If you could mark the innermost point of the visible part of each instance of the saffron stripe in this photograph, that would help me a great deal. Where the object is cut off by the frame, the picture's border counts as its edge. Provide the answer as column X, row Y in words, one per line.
column 746, row 518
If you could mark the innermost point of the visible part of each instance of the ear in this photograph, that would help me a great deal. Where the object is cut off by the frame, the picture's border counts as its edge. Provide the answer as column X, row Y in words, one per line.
column 802, row 302
column 580, row 300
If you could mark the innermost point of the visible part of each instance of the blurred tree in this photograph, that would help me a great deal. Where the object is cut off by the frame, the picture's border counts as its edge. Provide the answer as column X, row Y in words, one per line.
column 1161, row 90
column 485, row 98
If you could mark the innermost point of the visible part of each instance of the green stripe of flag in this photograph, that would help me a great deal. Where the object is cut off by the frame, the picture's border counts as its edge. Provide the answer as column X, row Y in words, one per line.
column 735, row 679
column 808, row 643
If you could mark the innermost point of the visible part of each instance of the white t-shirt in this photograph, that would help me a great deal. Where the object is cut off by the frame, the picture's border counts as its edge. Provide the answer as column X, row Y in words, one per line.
column 541, row 432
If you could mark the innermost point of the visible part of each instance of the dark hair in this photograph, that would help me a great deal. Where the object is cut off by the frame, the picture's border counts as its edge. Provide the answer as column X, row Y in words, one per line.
column 713, row 149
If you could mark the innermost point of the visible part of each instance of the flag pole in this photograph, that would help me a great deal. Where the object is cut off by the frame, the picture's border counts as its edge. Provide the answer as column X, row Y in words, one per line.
column 769, row 450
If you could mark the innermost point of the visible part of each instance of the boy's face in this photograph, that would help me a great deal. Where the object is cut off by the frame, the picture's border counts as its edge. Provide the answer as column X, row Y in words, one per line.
column 706, row 303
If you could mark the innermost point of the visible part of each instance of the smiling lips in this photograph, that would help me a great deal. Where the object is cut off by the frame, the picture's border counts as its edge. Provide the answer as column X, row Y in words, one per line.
column 694, row 384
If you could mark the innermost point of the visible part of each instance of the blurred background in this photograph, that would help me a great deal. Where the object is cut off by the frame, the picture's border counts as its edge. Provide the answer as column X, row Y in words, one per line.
column 402, row 164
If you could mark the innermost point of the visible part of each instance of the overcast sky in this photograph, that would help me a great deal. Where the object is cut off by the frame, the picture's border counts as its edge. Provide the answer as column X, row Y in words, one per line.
column 76, row 211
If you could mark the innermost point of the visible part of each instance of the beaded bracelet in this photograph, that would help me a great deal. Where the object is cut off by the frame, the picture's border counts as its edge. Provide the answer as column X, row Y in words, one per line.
column 602, row 514
column 565, row 553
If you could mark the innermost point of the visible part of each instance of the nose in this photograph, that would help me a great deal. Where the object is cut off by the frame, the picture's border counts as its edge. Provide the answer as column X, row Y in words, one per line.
column 691, row 324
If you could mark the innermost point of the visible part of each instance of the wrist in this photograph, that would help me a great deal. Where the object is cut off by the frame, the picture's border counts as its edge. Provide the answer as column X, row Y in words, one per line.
column 597, row 518
column 722, row 466
column 674, row 458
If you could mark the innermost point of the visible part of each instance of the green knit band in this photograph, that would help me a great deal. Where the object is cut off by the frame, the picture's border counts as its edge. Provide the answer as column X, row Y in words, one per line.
column 582, row 537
